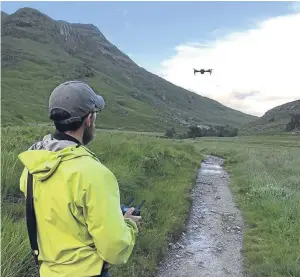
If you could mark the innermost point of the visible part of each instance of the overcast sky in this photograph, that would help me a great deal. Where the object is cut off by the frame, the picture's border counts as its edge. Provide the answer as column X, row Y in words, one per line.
column 253, row 47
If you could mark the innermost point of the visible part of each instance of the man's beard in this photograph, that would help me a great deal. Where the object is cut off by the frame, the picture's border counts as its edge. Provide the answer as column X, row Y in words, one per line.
column 88, row 134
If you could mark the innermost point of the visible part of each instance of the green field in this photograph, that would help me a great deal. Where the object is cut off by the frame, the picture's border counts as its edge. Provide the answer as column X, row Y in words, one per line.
column 160, row 171
column 265, row 180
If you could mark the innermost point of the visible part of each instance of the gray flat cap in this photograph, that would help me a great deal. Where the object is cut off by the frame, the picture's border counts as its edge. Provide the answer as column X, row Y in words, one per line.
column 77, row 98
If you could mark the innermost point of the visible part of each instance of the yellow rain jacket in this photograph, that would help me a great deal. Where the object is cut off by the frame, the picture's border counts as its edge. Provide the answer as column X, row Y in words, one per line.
column 77, row 205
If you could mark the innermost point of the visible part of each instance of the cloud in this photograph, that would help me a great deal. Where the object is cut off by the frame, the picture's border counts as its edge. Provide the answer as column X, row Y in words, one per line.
column 253, row 70
column 244, row 95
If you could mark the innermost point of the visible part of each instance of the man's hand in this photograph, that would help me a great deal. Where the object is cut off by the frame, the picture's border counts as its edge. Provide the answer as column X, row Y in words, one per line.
column 136, row 219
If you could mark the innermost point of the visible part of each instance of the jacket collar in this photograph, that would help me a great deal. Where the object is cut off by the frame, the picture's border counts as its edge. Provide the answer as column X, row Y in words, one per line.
column 62, row 136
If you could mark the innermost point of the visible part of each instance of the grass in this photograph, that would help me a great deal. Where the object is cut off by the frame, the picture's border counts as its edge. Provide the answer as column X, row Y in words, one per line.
column 160, row 171
column 16, row 258
column 266, row 184
column 265, row 180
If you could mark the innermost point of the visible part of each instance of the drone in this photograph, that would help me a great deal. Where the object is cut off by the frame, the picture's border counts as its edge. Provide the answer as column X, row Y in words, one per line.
column 202, row 71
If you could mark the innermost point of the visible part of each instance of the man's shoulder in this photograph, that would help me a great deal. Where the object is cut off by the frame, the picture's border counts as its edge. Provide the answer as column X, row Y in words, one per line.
column 93, row 168
column 93, row 173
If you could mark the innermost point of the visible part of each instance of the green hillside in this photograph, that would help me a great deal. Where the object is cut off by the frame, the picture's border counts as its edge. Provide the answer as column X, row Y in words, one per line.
column 275, row 120
column 38, row 53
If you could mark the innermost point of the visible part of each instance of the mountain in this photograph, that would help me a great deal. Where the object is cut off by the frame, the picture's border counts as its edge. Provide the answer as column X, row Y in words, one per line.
column 280, row 119
column 38, row 53
column 3, row 15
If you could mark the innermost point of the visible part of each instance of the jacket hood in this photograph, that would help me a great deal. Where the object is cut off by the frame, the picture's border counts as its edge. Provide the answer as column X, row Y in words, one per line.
column 43, row 157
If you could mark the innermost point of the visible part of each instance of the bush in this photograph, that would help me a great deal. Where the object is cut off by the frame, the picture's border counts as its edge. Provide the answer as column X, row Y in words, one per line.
column 294, row 123
column 217, row 131
column 272, row 119
column 170, row 133
column 20, row 116
column 194, row 132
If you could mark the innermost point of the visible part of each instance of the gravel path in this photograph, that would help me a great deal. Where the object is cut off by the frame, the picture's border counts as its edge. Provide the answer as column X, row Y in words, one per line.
column 212, row 243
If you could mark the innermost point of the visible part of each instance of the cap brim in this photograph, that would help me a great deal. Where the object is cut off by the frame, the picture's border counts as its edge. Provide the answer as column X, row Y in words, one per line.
column 99, row 102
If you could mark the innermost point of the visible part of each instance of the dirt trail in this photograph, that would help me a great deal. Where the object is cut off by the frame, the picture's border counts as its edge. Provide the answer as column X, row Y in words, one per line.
column 212, row 243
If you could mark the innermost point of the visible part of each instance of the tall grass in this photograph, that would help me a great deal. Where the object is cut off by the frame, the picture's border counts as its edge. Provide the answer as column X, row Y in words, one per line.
column 265, row 175
column 159, row 171
column 265, row 180
column 15, row 255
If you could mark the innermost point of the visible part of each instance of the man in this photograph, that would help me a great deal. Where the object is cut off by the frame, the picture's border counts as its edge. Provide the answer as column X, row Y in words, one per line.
column 80, row 226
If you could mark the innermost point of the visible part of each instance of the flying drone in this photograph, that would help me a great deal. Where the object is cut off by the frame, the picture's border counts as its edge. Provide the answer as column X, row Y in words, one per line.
column 202, row 71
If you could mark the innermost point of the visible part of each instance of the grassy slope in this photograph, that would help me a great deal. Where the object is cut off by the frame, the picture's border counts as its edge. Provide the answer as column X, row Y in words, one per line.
column 273, row 121
column 26, row 89
column 160, row 171
column 265, row 180
column 136, row 99
column 23, row 96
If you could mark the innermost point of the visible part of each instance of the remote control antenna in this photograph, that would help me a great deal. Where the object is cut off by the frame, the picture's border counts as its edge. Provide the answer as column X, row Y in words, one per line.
column 130, row 201
column 138, row 207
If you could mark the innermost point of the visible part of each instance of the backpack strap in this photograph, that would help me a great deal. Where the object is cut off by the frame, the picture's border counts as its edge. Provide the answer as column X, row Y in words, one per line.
column 31, row 219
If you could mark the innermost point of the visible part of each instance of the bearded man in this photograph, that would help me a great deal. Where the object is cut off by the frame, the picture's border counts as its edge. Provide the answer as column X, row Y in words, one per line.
column 74, row 220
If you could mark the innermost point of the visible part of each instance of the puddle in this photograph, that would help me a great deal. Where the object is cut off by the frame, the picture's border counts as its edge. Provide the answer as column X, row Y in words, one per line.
column 211, row 165
column 210, row 171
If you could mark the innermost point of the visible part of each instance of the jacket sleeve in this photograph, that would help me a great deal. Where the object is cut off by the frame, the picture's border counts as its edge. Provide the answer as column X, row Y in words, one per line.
column 114, row 236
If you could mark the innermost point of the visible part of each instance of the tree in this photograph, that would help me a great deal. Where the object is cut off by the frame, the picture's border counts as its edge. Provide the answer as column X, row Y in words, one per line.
column 194, row 131
column 294, row 123
column 170, row 132
column 221, row 132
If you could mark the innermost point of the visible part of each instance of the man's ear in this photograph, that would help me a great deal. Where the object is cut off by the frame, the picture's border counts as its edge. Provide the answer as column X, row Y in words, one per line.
column 89, row 120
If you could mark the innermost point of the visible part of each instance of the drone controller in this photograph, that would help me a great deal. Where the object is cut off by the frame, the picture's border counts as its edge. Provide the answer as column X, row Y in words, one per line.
column 137, row 209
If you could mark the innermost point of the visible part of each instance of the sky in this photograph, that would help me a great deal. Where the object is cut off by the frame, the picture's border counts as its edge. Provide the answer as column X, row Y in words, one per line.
column 252, row 47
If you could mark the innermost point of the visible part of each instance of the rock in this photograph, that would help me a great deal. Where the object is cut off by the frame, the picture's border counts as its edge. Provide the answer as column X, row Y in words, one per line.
column 226, row 270
column 172, row 245
column 201, row 264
